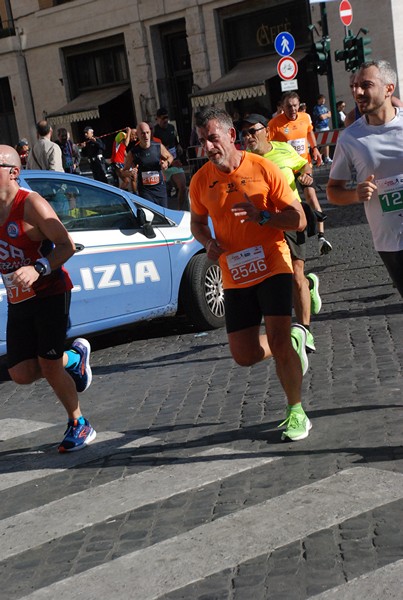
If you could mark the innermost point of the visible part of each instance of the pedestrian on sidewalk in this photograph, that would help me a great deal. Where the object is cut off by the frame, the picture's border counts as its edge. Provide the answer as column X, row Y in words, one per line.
column 93, row 149
column 373, row 146
column 321, row 116
column 305, row 289
column 35, row 245
column 45, row 154
column 250, row 204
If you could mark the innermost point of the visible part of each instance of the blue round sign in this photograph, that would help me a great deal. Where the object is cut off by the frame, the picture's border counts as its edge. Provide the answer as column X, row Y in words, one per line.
column 284, row 44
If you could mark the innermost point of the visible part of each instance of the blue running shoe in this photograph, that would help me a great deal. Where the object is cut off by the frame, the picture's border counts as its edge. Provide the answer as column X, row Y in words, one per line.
column 82, row 373
column 77, row 436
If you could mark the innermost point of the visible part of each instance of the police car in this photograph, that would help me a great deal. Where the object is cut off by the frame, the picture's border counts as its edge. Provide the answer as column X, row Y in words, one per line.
column 134, row 260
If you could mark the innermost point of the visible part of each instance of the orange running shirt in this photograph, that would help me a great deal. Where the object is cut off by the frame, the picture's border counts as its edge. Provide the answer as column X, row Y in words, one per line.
column 252, row 252
column 281, row 129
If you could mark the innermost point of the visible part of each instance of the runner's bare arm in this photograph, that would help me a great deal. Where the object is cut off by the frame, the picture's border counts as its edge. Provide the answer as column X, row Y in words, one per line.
column 202, row 232
column 43, row 223
column 338, row 193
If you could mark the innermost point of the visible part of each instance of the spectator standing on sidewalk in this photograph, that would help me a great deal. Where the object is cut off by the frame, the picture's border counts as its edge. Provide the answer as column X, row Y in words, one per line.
column 321, row 116
column 341, row 115
column 373, row 146
column 296, row 128
column 35, row 245
column 93, row 149
column 45, row 154
column 118, row 156
column 165, row 131
column 250, row 204
column 22, row 148
column 292, row 165
column 70, row 151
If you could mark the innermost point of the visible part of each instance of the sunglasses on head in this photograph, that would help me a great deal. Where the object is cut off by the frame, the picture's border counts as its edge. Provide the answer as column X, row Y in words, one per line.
column 251, row 131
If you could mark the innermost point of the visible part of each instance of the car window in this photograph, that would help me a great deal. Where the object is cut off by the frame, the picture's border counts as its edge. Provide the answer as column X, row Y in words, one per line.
column 83, row 207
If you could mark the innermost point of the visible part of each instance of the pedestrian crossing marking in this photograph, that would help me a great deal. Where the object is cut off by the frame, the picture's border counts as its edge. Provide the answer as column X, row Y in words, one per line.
column 12, row 428
column 382, row 584
column 95, row 505
column 173, row 564
column 19, row 470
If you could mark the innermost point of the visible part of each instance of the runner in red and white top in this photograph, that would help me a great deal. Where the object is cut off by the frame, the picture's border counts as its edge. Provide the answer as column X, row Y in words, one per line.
column 34, row 245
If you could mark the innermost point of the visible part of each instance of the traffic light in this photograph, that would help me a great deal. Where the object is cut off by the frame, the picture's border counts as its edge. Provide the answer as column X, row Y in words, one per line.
column 349, row 54
column 362, row 51
column 320, row 52
column 355, row 51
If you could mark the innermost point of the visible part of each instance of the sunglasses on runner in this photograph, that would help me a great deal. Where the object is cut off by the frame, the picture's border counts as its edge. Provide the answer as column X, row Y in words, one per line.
column 251, row 131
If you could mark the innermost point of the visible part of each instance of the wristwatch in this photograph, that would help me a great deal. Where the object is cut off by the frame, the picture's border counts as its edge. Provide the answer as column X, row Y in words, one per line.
column 265, row 217
column 40, row 268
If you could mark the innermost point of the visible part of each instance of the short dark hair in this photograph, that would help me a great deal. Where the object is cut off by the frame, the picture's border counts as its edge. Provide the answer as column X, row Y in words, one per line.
column 162, row 112
column 43, row 127
column 289, row 96
column 209, row 113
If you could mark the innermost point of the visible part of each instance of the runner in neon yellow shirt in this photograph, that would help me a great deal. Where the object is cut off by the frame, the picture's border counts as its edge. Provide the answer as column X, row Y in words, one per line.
column 292, row 165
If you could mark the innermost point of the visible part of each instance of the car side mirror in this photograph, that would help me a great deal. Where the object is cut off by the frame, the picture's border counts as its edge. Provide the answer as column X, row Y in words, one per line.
column 145, row 223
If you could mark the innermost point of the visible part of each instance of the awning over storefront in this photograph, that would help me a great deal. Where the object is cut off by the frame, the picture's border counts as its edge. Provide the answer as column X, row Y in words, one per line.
column 245, row 80
column 86, row 106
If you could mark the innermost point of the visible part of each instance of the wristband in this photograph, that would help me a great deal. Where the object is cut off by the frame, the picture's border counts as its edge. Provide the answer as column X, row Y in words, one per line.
column 40, row 263
column 265, row 217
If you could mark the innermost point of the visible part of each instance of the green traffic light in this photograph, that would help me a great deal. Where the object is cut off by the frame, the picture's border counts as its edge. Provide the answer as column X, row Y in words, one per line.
column 362, row 51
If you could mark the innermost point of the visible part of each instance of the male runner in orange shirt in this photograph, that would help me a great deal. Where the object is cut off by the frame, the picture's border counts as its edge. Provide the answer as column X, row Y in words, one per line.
column 251, row 204
column 296, row 128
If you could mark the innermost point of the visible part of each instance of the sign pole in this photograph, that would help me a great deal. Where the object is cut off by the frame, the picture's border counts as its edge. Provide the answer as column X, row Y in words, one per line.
column 330, row 82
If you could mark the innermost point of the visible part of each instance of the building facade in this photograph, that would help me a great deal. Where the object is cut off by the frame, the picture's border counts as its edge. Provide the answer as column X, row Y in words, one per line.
column 111, row 64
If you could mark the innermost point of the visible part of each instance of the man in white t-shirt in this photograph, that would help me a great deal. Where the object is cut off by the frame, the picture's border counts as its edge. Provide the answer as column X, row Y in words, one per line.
column 373, row 146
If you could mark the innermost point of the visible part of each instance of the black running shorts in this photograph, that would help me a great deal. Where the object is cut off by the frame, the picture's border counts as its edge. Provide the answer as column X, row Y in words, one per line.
column 244, row 307
column 37, row 327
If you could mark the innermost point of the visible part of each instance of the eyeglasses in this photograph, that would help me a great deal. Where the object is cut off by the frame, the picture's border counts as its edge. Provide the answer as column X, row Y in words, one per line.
column 6, row 166
column 251, row 131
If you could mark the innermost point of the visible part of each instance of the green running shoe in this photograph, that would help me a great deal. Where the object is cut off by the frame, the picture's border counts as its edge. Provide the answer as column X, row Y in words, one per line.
column 297, row 425
column 316, row 300
column 310, row 342
column 298, row 339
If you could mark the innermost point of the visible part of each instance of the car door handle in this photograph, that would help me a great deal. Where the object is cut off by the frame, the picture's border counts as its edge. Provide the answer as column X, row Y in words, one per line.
column 79, row 247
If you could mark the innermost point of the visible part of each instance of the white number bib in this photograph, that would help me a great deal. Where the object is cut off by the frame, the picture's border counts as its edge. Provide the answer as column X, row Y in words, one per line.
column 299, row 145
column 150, row 177
column 390, row 192
column 247, row 265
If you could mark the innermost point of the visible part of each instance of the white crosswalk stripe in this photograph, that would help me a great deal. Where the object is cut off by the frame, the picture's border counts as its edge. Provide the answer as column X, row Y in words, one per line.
column 98, row 504
column 11, row 428
column 382, row 584
column 198, row 553
column 174, row 563
column 19, row 469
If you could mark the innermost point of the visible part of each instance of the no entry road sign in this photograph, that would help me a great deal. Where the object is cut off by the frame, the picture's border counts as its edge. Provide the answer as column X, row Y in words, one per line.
column 346, row 13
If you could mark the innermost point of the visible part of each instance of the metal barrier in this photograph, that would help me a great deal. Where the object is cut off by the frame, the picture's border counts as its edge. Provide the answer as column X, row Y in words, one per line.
column 196, row 156
column 327, row 138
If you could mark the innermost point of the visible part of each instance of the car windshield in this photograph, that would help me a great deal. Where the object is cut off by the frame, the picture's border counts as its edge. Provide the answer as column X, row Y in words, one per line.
column 82, row 207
